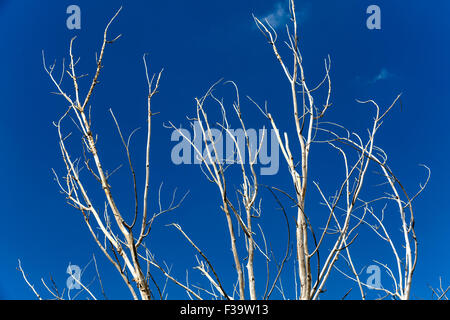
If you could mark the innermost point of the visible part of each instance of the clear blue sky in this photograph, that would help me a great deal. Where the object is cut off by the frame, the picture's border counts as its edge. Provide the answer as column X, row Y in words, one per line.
column 199, row 42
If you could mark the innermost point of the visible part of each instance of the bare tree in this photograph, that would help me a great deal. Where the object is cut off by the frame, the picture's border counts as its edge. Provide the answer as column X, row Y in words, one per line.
column 214, row 169
column 347, row 210
column 440, row 293
column 120, row 238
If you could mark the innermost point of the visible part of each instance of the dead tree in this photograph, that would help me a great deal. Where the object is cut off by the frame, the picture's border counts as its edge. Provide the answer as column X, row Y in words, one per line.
column 347, row 211
column 122, row 237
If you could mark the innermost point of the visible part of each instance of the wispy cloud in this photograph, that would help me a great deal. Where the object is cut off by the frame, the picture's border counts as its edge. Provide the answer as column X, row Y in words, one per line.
column 280, row 14
column 382, row 75
column 278, row 17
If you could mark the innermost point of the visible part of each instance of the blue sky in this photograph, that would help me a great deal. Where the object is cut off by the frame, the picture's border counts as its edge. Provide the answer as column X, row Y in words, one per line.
column 198, row 43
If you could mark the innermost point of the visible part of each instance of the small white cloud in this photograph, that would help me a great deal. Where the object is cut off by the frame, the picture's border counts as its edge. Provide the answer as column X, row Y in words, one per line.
column 382, row 75
column 278, row 17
